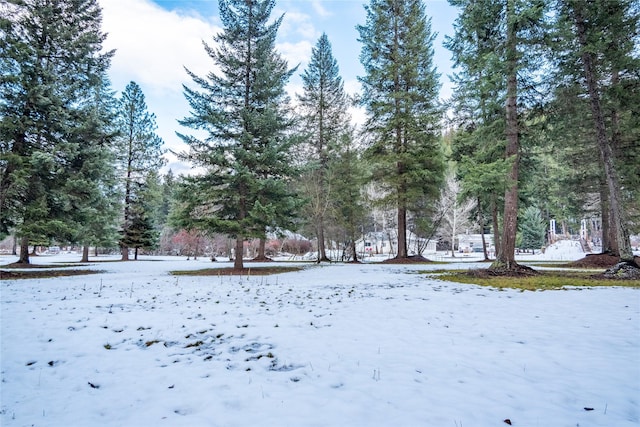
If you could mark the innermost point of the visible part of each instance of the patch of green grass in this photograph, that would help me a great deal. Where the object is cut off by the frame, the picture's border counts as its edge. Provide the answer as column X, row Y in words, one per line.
column 561, row 264
column 256, row 271
column 543, row 280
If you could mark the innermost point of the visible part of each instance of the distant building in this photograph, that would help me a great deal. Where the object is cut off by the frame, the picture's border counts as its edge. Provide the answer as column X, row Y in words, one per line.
column 386, row 243
column 468, row 243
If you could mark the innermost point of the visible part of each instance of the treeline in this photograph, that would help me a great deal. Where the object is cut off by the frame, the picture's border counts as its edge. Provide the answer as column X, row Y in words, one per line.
column 543, row 124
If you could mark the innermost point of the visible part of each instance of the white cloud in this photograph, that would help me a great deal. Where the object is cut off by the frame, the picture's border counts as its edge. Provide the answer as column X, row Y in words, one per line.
column 358, row 113
column 319, row 8
column 352, row 86
column 296, row 53
column 153, row 45
column 296, row 25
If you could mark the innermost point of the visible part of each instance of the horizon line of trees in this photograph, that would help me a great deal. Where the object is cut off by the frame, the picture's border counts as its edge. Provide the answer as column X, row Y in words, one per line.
column 540, row 87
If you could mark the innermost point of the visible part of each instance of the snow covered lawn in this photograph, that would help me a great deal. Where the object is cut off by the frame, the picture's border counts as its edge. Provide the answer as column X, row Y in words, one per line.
column 339, row 345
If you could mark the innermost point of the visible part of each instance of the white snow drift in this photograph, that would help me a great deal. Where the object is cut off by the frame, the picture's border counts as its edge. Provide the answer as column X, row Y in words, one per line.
column 338, row 345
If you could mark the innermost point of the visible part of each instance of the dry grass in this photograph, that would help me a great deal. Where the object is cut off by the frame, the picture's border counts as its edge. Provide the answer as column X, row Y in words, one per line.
column 543, row 280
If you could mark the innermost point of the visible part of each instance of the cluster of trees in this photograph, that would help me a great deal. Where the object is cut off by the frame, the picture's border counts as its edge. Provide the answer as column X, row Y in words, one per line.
column 540, row 87
column 77, row 164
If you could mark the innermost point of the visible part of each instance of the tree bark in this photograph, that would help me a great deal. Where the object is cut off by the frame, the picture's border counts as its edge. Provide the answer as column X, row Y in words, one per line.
column 322, row 251
column 354, row 251
column 617, row 220
column 237, row 262
column 262, row 252
column 481, row 223
column 506, row 255
column 402, row 232
column 85, row 253
column 24, row 251
column 606, row 223
column 454, row 225
column 495, row 224
column 399, row 148
column 125, row 253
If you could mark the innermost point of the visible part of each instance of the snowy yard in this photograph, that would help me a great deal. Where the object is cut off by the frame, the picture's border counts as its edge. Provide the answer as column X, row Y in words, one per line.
column 338, row 345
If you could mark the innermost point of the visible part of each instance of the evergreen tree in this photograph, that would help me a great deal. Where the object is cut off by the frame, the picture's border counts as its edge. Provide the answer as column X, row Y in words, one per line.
column 244, row 109
column 139, row 151
column 168, row 186
column 139, row 230
column 498, row 44
column 481, row 169
column 347, row 175
column 532, row 229
column 51, row 56
column 478, row 145
column 324, row 105
column 400, row 90
column 92, row 183
column 598, row 49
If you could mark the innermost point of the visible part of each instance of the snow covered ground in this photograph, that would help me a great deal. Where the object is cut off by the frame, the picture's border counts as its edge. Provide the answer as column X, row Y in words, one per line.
column 332, row 345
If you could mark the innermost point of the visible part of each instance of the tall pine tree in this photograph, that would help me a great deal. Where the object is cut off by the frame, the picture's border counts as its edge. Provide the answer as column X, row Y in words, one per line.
column 139, row 152
column 51, row 57
column 598, row 48
column 91, row 185
column 400, row 93
column 532, row 229
column 247, row 152
column 324, row 105
column 347, row 176
column 500, row 51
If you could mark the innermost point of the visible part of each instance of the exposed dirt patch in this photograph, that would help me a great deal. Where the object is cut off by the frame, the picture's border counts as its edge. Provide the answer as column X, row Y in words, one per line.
column 260, row 259
column 36, row 266
column 43, row 274
column 414, row 259
column 597, row 261
column 517, row 271
column 256, row 271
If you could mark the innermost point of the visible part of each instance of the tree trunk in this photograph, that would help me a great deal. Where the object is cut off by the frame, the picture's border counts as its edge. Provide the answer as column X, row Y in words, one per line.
column 353, row 250
column 454, row 225
column 85, row 253
column 506, row 255
column 261, row 254
column 237, row 262
column 125, row 253
column 617, row 220
column 399, row 145
column 24, row 251
column 402, row 232
column 481, row 222
column 495, row 224
column 606, row 223
column 322, row 251
column 135, row 254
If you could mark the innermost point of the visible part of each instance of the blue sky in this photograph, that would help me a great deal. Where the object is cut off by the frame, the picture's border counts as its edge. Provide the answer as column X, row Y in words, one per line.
column 155, row 39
